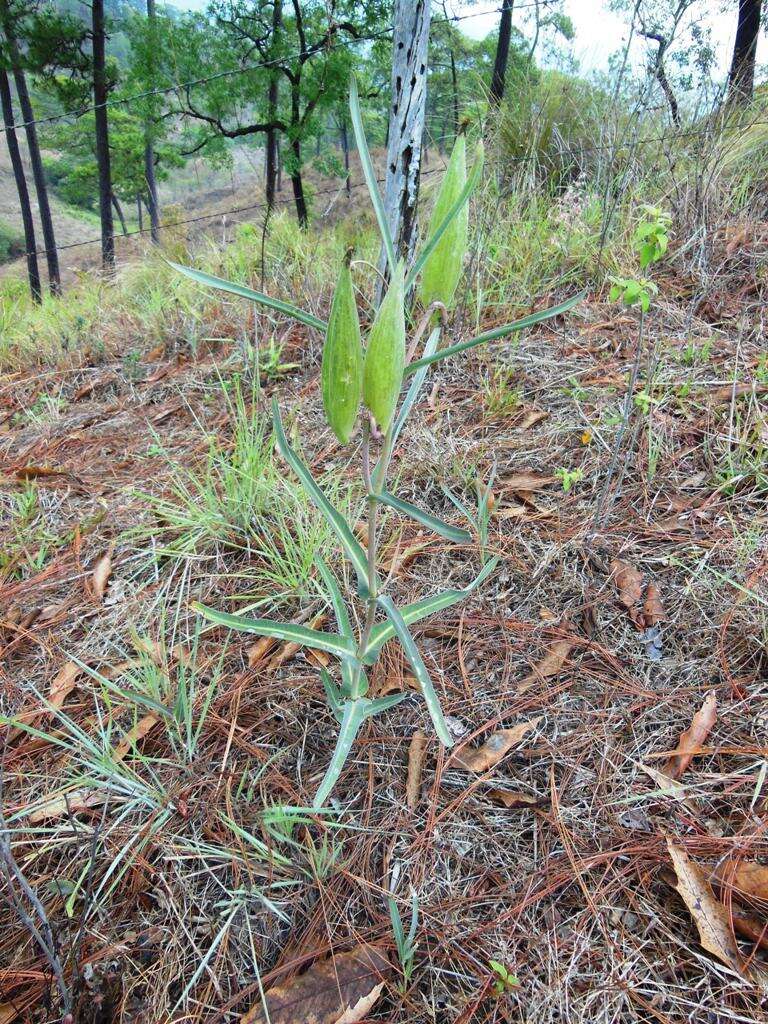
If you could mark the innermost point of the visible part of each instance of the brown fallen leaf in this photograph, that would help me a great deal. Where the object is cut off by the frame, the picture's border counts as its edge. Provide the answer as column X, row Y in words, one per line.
column 550, row 665
column 708, row 913
column 513, row 801
column 289, row 649
column 525, row 511
column 63, row 684
column 101, row 573
column 397, row 683
column 629, row 583
column 691, row 740
column 495, row 747
column 653, row 609
column 747, row 878
column 57, row 806
column 530, row 418
column 144, row 726
column 416, row 750
column 260, row 650
column 339, row 990
column 526, row 481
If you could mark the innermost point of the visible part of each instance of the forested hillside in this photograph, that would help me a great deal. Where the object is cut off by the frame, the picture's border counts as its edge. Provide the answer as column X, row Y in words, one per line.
column 383, row 464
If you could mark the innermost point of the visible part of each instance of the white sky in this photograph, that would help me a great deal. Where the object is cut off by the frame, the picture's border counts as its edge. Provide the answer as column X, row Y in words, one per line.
column 599, row 32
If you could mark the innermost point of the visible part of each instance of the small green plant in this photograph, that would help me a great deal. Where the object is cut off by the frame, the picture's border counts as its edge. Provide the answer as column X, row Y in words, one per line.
column 271, row 363
column 405, row 944
column 694, row 354
column 378, row 388
column 652, row 235
column 633, row 292
column 569, row 477
column 500, row 397
column 504, row 981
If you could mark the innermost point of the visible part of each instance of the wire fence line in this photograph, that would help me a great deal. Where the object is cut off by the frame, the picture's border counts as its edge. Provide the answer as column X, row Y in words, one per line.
column 385, row 33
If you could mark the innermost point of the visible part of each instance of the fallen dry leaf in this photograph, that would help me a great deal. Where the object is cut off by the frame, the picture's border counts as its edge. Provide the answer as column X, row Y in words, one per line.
column 260, row 650
column 63, row 684
column 513, row 801
column 530, row 418
column 629, row 583
column 550, row 665
column 708, row 913
column 397, row 683
column 495, row 747
column 144, row 726
column 526, row 481
column 746, row 877
column 56, row 806
column 339, row 990
column 416, row 750
column 101, row 573
column 691, row 740
column 653, row 609
column 289, row 649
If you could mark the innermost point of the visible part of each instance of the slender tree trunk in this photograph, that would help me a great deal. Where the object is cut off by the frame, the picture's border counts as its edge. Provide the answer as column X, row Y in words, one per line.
column 345, row 149
column 273, row 99
column 298, row 186
column 102, row 136
column 33, row 271
column 35, row 158
column 741, row 79
column 279, row 153
column 660, row 74
column 502, row 54
column 153, row 205
column 406, row 124
column 119, row 212
column 455, row 87
column 139, row 212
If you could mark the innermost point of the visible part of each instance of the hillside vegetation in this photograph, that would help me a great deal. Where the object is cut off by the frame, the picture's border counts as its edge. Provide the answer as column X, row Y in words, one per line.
column 587, row 840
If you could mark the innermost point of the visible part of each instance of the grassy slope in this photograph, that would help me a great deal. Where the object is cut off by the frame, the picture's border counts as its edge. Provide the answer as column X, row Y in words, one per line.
column 570, row 887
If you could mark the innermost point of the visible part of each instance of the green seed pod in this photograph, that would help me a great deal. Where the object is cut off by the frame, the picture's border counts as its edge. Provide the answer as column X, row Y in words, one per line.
column 442, row 270
column 342, row 371
column 385, row 354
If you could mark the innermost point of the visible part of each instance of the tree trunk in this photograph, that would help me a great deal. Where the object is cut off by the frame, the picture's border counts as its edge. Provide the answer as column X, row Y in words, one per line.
column 298, row 186
column 33, row 271
column 35, row 159
column 119, row 212
column 455, row 87
column 741, row 79
column 660, row 74
column 102, row 136
column 278, row 151
column 406, row 124
column 345, row 148
column 273, row 98
column 149, row 150
column 139, row 213
column 502, row 54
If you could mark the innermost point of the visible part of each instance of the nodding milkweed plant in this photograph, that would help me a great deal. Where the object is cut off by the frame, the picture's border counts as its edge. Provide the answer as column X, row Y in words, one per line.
column 374, row 378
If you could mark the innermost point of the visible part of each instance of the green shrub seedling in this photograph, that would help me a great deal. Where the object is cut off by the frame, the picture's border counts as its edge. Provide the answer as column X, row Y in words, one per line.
column 382, row 619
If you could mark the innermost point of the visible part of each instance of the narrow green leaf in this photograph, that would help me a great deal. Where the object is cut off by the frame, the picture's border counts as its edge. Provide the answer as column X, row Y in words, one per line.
column 384, row 631
column 338, row 524
column 416, row 385
column 248, row 293
column 332, row 694
column 342, row 618
column 341, row 646
column 497, row 332
column 386, row 603
column 466, row 192
column 369, row 173
column 353, row 716
column 379, row 704
column 453, row 533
